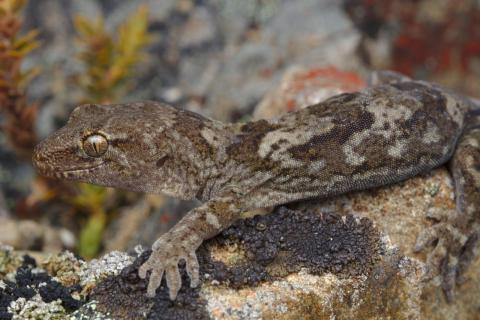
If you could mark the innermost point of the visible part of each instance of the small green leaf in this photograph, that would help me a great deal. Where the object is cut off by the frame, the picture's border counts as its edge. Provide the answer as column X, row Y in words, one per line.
column 92, row 234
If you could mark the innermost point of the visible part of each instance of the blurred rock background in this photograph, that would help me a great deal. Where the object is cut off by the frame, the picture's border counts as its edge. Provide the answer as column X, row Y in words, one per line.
column 216, row 57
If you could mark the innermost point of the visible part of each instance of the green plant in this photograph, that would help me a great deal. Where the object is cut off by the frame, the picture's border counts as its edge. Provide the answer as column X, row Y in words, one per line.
column 92, row 200
column 109, row 61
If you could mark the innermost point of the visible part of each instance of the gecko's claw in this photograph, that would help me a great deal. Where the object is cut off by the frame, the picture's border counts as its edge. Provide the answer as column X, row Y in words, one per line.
column 164, row 260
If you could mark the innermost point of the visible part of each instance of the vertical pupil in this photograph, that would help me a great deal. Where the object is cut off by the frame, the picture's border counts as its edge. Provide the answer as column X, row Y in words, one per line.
column 96, row 145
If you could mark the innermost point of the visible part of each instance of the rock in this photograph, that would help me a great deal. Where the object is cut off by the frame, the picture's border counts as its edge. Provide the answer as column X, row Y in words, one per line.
column 436, row 41
column 4, row 212
column 30, row 293
column 198, row 30
column 30, row 235
column 308, row 33
column 301, row 87
column 348, row 257
column 15, row 176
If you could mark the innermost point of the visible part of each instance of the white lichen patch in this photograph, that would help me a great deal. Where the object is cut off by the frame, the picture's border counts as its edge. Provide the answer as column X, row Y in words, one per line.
column 9, row 261
column 35, row 308
column 109, row 265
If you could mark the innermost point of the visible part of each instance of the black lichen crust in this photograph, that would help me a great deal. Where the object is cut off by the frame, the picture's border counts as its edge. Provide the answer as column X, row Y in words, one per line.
column 276, row 244
column 27, row 284
column 287, row 241
column 123, row 297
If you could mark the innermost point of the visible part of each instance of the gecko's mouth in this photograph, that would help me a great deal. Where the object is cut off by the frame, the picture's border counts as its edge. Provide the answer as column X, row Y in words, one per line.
column 73, row 173
column 77, row 172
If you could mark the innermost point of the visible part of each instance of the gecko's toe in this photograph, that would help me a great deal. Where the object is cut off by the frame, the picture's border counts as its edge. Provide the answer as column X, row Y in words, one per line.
column 155, row 280
column 426, row 238
column 192, row 269
column 174, row 281
column 438, row 256
column 156, row 267
column 144, row 268
column 166, row 254
column 449, row 275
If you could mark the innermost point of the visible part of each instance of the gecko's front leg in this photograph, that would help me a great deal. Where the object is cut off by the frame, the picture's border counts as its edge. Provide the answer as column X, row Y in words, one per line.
column 181, row 242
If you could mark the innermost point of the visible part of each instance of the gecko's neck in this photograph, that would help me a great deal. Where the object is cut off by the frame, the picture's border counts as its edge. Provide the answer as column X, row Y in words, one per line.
column 197, row 155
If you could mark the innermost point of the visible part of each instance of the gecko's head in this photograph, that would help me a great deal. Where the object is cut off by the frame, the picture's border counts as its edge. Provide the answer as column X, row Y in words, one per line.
column 111, row 145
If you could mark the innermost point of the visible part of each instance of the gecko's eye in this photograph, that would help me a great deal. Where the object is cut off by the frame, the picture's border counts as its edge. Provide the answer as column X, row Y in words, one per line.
column 95, row 145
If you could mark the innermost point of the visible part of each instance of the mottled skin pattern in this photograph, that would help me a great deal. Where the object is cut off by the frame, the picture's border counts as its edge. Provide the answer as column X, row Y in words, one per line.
column 393, row 130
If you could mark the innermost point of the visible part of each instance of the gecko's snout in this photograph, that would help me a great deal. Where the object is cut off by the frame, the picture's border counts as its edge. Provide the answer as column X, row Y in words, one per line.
column 52, row 158
column 42, row 160
column 39, row 159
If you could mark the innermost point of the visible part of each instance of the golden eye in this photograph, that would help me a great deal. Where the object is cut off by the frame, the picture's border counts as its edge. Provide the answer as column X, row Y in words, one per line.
column 95, row 145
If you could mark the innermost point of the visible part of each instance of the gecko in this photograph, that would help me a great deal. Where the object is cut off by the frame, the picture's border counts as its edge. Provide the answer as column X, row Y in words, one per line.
column 394, row 129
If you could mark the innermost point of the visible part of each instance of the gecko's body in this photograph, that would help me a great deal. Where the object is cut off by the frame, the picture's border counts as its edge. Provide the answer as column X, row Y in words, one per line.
column 354, row 141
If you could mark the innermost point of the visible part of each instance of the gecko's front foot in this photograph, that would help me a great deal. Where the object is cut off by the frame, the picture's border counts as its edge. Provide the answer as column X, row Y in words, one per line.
column 449, row 252
column 167, row 252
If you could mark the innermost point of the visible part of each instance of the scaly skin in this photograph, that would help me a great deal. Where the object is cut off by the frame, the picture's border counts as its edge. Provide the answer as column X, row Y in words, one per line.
column 393, row 130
